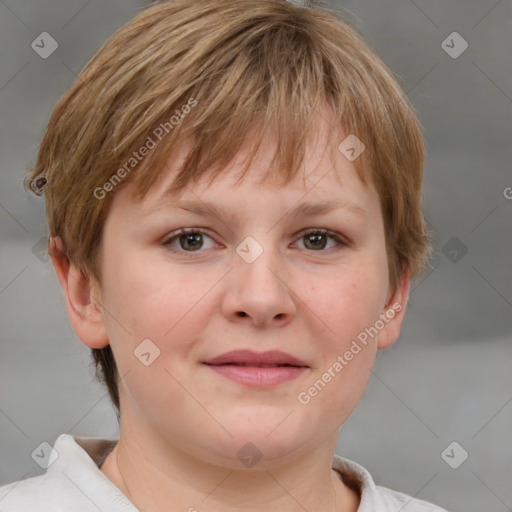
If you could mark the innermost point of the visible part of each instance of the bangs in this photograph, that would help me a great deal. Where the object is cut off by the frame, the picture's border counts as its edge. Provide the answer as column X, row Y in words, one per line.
column 222, row 75
column 250, row 75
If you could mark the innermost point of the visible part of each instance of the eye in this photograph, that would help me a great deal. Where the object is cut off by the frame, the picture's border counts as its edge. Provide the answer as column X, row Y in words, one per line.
column 317, row 239
column 189, row 240
column 192, row 240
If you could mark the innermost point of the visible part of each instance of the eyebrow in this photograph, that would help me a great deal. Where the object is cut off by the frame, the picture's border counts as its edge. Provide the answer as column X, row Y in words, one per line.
column 302, row 210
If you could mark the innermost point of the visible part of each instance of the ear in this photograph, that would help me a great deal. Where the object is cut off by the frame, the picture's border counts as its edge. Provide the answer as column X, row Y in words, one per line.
column 83, row 298
column 394, row 312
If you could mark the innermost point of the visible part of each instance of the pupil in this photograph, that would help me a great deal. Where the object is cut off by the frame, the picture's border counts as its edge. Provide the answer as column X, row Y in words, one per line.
column 316, row 239
column 191, row 240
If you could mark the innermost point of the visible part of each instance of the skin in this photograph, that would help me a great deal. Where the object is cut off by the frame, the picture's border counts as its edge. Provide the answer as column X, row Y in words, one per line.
column 182, row 424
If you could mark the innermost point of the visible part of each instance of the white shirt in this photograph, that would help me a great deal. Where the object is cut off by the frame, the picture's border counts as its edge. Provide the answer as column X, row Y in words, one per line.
column 73, row 482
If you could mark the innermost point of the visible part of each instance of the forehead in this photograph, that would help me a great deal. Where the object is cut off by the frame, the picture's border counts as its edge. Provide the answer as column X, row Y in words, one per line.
column 235, row 204
column 324, row 166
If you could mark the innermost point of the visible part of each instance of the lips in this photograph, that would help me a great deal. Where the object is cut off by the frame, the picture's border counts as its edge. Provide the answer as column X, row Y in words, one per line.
column 258, row 370
column 268, row 359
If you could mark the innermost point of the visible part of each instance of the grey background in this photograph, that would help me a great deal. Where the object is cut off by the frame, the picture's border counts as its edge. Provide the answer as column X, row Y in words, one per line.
column 447, row 378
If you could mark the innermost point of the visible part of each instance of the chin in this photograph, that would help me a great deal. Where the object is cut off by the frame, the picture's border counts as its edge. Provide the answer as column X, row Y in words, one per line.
column 259, row 446
column 255, row 456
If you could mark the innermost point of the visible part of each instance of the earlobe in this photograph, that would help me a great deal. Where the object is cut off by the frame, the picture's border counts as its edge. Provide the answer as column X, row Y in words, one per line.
column 83, row 298
column 394, row 312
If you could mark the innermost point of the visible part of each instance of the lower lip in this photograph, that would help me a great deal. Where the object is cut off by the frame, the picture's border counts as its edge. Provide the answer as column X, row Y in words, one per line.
column 257, row 376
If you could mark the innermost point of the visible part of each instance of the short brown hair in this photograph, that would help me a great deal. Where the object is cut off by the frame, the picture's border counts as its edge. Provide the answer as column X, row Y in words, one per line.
column 247, row 66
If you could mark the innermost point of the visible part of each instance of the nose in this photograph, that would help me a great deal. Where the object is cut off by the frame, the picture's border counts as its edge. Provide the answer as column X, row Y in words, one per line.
column 257, row 292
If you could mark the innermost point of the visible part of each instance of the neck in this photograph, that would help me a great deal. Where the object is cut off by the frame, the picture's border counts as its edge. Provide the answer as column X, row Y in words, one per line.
column 153, row 478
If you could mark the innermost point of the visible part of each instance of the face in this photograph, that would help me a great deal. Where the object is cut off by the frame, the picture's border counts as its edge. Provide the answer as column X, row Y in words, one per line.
column 257, row 275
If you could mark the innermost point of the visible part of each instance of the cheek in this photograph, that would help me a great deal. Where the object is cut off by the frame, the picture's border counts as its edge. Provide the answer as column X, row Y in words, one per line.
column 156, row 302
column 349, row 301
column 155, row 315
column 347, row 349
column 347, row 306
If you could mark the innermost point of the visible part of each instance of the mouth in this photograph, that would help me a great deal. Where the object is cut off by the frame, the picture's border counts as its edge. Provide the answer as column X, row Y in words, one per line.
column 254, row 369
column 268, row 359
column 248, row 365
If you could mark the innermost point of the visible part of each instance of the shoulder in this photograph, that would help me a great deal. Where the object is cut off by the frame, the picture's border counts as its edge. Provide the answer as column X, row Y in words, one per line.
column 375, row 497
column 73, row 481
column 45, row 493
column 395, row 501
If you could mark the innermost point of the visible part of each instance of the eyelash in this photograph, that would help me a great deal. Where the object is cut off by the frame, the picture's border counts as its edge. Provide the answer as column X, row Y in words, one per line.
column 341, row 241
